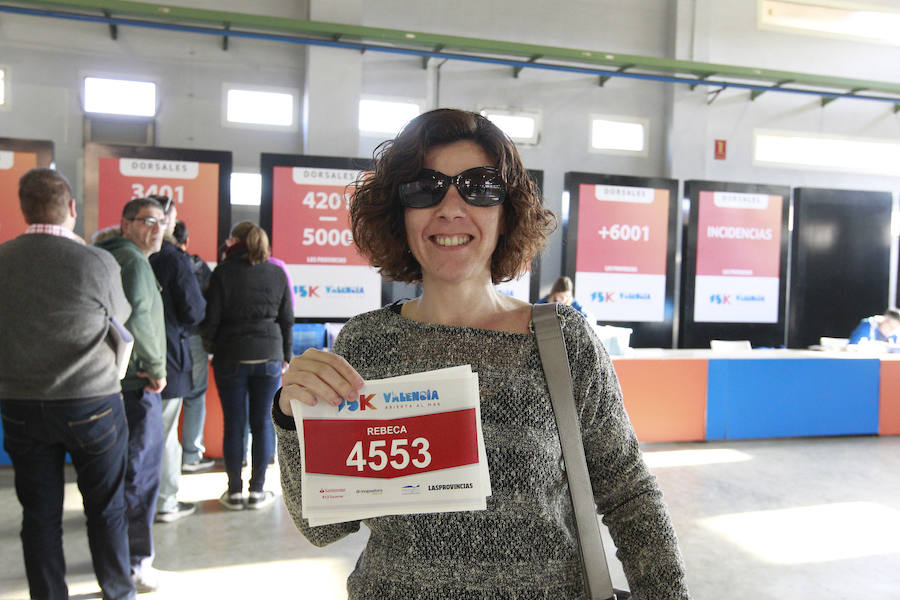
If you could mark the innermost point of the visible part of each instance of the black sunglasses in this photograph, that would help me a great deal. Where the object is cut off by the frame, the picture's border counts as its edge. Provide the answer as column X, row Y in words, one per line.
column 481, row 186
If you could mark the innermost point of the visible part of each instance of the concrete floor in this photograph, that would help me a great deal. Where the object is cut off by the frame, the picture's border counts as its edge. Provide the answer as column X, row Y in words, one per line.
column 802, row 519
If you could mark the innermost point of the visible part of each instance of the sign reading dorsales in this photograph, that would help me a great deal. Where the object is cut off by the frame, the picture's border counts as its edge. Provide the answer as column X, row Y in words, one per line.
column 194, row 186
column 12, row 166
column 620, row 267
column 311, row 233
column 738, row 257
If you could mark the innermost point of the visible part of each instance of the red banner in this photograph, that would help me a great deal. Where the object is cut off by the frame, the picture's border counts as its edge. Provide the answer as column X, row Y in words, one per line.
column 194, row 187
column 622, row 228
column 12, row 166
column 738, row 234
column 310, row 216
column 386, row 449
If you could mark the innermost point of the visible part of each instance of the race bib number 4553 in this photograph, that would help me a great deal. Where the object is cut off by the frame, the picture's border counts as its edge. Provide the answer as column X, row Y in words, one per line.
column 370, row 448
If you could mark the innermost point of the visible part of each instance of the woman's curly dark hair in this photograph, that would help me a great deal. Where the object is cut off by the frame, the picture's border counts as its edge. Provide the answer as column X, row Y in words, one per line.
column 377, row 217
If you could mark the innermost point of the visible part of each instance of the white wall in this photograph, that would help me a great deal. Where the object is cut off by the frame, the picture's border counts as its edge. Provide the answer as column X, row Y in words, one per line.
column 565, row 100
column 47, row 59
column 725, row 31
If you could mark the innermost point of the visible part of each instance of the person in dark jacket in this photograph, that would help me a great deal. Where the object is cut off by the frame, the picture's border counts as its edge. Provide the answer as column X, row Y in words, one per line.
column 183, row 309
column 193, row 409
column 248, row 327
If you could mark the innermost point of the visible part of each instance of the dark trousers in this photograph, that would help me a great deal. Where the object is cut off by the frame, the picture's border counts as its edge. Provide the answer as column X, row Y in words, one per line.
column 37, row 435
column 145, row 448
column 246, row 390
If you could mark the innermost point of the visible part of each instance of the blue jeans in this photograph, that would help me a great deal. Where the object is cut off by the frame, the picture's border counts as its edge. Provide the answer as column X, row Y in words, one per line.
column 239, row 382
column 170, row 472
column 193, row 415
column 145, row 448
column 37, row 435
column 194, row 409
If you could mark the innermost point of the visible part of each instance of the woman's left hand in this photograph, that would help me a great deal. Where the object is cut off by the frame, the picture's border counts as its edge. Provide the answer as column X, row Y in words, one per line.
column 316, row 375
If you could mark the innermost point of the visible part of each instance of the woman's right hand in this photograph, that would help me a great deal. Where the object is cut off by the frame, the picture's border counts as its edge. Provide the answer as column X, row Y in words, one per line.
column 316, row 375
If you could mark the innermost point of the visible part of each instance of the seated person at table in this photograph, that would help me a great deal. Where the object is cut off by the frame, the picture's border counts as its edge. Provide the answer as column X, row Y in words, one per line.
column 881, row 328
column 563, row 292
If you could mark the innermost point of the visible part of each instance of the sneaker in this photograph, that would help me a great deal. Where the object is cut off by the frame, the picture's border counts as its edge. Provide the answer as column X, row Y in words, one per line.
column 183, row 509
column 232, row 500
column 146, row 580
column 259, row 500
column 200, row 465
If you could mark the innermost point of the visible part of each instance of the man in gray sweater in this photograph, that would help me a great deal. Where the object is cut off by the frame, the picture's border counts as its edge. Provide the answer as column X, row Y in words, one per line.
column 59, row 387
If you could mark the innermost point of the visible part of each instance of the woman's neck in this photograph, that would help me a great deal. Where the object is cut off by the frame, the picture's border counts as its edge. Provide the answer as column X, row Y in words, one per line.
column 476, row 305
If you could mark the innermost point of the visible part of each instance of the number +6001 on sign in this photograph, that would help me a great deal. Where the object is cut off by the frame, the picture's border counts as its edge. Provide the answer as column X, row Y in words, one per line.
column 634, row 233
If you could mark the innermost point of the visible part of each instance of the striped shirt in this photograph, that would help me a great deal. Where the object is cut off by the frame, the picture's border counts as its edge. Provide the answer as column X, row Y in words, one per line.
column 51, row 229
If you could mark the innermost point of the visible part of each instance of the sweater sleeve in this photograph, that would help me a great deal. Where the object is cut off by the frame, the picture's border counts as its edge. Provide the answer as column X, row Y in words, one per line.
column 625, row 491
column 863, row 331
column 139, row 284
column 286, row 320
column 186, row 295
column 214, row 299
column 116, row 302
column 291, row 466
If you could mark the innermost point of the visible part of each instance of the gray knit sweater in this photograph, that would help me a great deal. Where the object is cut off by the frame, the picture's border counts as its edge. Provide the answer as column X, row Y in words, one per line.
column 523, row 546
column 57, row 295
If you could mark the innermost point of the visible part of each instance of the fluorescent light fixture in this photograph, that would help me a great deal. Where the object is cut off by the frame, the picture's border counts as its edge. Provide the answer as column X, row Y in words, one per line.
column 812, row 534
column 522, row 127
column 618, row 135
column 386, row 116
column 119, row 97
column 246, row 188
column 867, row 23
column 258, row 107
column 810, row 151
column 2, row 86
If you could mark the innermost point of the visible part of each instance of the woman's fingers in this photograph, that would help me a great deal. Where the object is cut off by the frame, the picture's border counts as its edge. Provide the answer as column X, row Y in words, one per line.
column 294, row 392
column 317, row 375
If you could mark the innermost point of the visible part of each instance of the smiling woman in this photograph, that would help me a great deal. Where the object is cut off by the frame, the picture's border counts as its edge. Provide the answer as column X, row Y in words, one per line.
column 450, row 205
column 377, row 214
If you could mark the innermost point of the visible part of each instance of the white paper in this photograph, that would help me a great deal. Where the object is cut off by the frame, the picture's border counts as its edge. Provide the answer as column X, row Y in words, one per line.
column 429, row 403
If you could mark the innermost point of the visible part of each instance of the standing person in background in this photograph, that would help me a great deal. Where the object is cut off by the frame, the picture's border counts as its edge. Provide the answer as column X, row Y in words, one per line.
column 248, row 327
column 183, row 308
column 60, row 390
column 283, row 266
column 143, row 224
column 878, row 328
column 563, row 292
column 194, row 405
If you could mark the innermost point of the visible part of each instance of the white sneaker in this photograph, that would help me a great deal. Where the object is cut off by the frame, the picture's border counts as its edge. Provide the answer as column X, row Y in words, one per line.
column 258, row 500
column 232, row 501
column 145, row 580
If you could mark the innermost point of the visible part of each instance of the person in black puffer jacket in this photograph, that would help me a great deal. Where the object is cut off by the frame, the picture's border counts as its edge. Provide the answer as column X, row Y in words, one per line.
column 248, row 330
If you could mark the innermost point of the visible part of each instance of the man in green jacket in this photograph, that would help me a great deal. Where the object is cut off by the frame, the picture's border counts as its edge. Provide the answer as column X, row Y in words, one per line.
column 143, row 224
